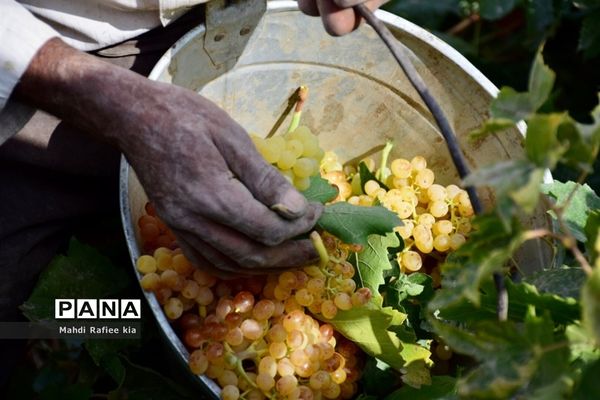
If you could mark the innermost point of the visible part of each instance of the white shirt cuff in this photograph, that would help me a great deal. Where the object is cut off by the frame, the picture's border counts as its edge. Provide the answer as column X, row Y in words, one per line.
column 21, row 36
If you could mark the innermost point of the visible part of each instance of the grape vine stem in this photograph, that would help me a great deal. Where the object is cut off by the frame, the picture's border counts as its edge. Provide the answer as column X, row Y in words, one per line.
column 401, row 56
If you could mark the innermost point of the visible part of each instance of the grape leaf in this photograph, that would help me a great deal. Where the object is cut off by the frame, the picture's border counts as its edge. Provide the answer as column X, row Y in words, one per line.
column 489, row 247
column 510, row 106
column 368, row 327
column 590, row 304
column 541, row 142
column 372, row 262
column 576, row 213
column 353, row 224
column 592, row 225
column 516, row 184
column 588, row 387
column 520, row 296
column 441, row 386
column 82, row 273
column 563, row 282
column 320, row 190
column 512, row 356
column 378, row 378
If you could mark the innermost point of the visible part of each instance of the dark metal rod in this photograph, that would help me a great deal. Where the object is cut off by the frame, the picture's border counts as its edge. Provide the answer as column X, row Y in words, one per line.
column 400, row 54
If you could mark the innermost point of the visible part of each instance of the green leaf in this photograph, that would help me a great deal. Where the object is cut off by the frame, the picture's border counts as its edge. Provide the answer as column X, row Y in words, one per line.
column 495, row 9
column 372, row 261
column 366, row 175
column 590, row 304
column 512, row 356
column 589, row 37
column 510, row 106
column 541, row 81
column 488, row 249
column 378, row 378
column 81, row 273
column 563, row 282
column 368, row 327
column 105, row 354
column 441, row 386
column 516, row 184
column 520, row 297
column 320, row 190
column 353, row 224
column 541, row 143
column 592, row 226
column 588, row 387
column 582, row 202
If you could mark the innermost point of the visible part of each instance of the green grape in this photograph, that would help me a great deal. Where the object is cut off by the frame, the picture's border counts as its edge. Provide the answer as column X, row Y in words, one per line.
column 230, row 392
column 286, row 160
column 304, row 167
column 295, row 147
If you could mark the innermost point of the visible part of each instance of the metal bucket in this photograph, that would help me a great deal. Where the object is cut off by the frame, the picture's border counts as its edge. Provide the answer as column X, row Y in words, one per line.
column 359, row 98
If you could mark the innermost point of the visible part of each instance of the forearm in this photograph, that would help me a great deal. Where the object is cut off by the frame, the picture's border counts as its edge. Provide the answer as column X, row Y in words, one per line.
column 82, row 90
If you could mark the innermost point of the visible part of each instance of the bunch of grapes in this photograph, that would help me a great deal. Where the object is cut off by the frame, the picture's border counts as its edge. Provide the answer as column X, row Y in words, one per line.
column 255, row 336
column 296, row 154
column 434, row 217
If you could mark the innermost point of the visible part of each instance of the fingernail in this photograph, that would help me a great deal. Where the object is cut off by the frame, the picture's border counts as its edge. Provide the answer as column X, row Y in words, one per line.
column 292, row 205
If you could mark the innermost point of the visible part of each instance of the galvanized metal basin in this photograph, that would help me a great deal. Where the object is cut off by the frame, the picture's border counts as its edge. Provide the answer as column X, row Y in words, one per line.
column 359, row 98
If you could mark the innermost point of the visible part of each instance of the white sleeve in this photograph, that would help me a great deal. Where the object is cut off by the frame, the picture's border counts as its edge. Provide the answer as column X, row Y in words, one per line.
column 21, row 36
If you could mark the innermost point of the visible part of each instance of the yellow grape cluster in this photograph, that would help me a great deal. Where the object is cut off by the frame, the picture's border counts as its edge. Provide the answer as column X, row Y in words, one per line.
column 435, row 217
column 296, row 154
column 254, row 335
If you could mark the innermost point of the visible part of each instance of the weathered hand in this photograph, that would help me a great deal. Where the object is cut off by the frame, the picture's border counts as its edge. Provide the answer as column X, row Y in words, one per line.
column 197, row 165
column 212, row 187
column 338, row 16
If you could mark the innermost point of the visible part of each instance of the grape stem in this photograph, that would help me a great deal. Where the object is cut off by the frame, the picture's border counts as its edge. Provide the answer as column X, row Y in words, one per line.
column 384, row 159
column 317, row 241
column 302, row 96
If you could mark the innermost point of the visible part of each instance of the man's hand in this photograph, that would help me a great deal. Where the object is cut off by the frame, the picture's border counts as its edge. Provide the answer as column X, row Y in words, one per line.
column 337, row 20
column 198, row 166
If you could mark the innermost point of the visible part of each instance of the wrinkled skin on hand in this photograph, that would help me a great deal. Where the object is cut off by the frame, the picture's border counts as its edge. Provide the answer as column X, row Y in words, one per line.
column 212, row 187
column 198, row 166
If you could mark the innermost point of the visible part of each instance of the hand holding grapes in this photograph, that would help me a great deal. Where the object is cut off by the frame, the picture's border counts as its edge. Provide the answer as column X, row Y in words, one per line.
column 197, row 165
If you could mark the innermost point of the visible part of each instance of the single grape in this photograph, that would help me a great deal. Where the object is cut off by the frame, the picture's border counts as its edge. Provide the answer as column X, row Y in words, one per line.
column 342, row 301
column 235, row 337
column 251, row 329
column 173, row 308
column 265, row 382
column 230, row 392
column 146, row 264
column 286, row 160
column 267, row 365
column 328, row 309
column 438, row 208
column 411, row 261
column 401, row 168
column 371, row 187
column 436, row 192
column 418, row 163
column 263, row 310
column 441, row 243
column 205, row 296
column 198, row 362
column 150, row 281
column 286, row 384
column 278, row 350
column 303, row 168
